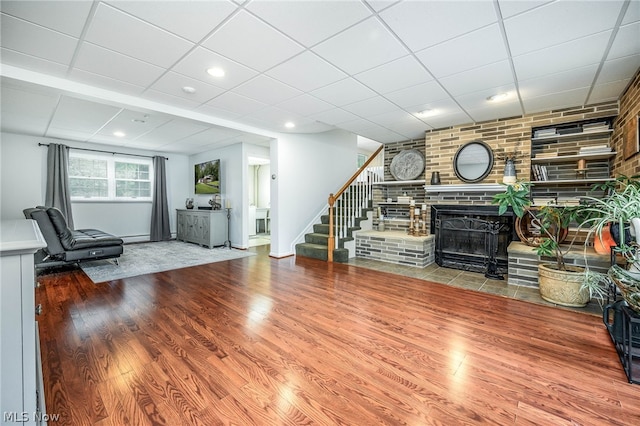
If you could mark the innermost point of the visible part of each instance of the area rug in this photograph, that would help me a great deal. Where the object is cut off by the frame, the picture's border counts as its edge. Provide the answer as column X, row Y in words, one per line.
column 147, row 258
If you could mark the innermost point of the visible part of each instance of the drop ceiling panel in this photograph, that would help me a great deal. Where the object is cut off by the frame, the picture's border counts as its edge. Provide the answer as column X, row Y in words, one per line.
column 275, row 116
column 192, row 20
column 442, row 107
column 21, row 60
column 562, row 57
column 369, row 107
column 632, row 14
column 237, row 104
column 306, row 72
column 25, row 111
column 103, row 82
column 627, row 41
column 559, row 82
column 248, row 40
column 107, row 63
column 67, row 17
column 212, row 135
column 361, row 47
column 559, row 22
column 480, row 47
column 310, row 22
column 421, row 24
column 419, row 94
column 305, row 105
column 173, row 83
column 556, row 100
column 165, row 98
column 493, row 75
column 266, row 89
column 410, row 127
column 334, row 116
column 120, row 32
column 509, row 8
column 344, row 92
column 196, row 63
column 79, row 114
column 607, row 92
column 477, row 100
column 37, row 41
column 619, row 69
column 133, row 123
column 442, row 121
column 382, row 78
column 503, row 109
column 174, row 130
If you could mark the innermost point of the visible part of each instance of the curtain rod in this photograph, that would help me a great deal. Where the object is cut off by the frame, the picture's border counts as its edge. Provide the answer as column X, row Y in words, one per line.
column 105, row 152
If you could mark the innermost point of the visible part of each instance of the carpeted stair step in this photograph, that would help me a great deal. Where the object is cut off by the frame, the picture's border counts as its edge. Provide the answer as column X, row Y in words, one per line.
column 319, row 251
column 324, row 229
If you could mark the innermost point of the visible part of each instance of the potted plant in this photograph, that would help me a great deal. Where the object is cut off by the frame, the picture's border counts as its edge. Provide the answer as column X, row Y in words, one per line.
column 620, row 209
column 559, row 283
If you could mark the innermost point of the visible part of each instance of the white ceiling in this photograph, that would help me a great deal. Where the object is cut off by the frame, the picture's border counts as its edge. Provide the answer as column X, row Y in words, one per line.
column 80, row 70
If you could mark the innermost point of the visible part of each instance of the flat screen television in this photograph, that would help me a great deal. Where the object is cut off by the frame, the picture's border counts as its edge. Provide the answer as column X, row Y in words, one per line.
column 207, row 177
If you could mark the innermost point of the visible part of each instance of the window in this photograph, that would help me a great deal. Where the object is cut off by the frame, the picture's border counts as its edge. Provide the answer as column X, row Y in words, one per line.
column 109, row 177
column 361, row 160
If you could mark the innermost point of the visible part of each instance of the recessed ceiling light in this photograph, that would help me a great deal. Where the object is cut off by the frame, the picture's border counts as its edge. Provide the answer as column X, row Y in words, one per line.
column 215, row 72
column 289, row 125
column 188, row 89
column 427, row 113
column 119, row 134
column 498, row 97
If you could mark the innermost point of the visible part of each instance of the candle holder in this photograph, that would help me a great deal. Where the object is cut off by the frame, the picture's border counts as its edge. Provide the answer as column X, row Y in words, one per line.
column 424, row 222
column 411, row 220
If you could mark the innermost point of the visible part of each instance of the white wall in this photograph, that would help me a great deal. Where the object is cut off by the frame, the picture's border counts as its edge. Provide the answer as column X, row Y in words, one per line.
column 232, row 175
column 308, row 168
column 23, row 183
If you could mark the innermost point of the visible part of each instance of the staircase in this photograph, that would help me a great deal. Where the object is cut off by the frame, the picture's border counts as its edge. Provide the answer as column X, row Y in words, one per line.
column 349, row 211
column 316, row 242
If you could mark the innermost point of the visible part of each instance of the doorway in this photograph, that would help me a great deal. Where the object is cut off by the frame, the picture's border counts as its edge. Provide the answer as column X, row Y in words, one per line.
column 259, row 201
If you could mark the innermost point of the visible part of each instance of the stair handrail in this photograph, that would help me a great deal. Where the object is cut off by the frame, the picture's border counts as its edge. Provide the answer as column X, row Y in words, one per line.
column 333, row 197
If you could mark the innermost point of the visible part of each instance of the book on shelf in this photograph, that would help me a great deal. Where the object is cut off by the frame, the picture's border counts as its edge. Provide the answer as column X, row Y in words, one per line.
column 595, row 127
column 568, row 201
column 539, row 172
column 544, row 201
column 544, row 132
column 594, row 149
column 551, row 154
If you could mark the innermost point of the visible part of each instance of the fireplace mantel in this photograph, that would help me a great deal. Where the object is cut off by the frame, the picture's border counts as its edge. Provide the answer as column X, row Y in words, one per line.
column 469, row 187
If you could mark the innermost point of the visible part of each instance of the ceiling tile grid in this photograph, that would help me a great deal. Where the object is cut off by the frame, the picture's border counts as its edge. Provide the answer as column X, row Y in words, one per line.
column 370, row 67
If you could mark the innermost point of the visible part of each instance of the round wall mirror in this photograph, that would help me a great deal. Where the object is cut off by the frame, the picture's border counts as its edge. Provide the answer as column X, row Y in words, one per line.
column 473, row 161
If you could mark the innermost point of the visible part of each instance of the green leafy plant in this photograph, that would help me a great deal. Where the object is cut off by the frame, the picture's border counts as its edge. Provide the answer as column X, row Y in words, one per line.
column 551, row 220
column 619, row 206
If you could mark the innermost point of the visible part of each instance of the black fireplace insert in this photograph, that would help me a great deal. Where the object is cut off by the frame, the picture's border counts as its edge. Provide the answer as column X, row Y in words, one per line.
column 472, row 238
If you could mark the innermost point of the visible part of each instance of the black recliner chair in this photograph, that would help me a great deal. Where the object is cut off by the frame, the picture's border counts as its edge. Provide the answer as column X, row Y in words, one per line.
column 70, row 246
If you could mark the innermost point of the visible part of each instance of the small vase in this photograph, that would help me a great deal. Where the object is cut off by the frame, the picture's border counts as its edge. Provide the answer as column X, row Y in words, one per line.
column 435, row 178
column 509, row 176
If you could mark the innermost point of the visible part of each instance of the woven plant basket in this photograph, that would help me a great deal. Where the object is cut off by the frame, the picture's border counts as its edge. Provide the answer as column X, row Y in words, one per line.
column 629, row 285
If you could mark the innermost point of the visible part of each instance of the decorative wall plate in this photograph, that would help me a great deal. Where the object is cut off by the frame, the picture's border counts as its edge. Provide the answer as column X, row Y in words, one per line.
column 407, row 165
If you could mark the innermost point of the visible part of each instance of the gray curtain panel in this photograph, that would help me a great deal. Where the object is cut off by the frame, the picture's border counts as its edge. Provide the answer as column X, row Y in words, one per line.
column 57, row 194
column 160, row 230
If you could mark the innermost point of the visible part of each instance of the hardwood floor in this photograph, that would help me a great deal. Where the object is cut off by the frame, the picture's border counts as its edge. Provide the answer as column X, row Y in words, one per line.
column 296, row 341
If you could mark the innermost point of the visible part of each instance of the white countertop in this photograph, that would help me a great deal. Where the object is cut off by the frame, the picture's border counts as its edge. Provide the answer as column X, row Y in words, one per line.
column 20, row 236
